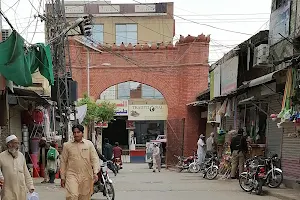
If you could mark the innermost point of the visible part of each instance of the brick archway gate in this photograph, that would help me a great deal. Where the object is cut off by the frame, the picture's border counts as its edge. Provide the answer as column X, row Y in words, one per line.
column 179, row 72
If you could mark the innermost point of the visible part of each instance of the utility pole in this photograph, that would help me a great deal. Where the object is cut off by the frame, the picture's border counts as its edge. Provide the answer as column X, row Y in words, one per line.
column 55, row 32
column 88, row 71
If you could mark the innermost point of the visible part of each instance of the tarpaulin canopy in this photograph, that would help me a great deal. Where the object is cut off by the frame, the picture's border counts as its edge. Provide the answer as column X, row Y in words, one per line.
column 17, row 62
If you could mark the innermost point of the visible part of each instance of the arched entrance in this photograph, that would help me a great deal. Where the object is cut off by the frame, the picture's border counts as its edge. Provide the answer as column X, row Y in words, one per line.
column 141, row 116
column 179, row 72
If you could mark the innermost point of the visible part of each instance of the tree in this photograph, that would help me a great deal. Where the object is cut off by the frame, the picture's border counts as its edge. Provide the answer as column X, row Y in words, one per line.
column 97, row 113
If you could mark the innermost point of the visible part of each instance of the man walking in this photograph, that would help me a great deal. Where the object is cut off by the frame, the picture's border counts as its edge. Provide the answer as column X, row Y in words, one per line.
column 79, row 166
column 156, row 158
column 15, row 172
column 44, row 148
column 52, row 162
column 239, row 150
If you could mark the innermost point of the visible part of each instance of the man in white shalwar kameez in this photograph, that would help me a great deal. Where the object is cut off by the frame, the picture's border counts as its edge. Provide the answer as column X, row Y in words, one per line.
column 17, row 179
column 201, row 149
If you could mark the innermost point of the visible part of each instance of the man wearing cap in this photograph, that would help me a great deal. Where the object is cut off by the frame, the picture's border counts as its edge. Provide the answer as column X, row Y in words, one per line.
column 201, row 149
column 17, row 180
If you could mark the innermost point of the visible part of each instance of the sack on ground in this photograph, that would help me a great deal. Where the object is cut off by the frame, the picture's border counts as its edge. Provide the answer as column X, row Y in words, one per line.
column 32, row 196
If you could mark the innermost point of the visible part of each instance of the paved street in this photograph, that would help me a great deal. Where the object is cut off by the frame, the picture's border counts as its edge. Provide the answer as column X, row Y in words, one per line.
column 136, row 182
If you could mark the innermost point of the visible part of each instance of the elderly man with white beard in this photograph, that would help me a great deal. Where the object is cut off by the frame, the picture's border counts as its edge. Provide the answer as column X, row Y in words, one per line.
column 17, row 180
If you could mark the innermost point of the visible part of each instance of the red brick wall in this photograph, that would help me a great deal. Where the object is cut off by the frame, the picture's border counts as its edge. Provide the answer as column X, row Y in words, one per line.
column 179, row 72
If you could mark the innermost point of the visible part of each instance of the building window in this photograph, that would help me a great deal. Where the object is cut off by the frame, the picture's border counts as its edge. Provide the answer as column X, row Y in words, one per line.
column 126, row 33
column 123, row 90
column 97, row 35
column 149, row 92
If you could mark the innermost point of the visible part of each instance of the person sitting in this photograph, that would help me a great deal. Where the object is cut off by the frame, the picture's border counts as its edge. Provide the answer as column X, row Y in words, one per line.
column 117, row 151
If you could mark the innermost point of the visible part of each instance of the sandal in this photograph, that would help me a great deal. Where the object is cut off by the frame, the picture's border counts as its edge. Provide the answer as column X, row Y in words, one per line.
column 44, row 181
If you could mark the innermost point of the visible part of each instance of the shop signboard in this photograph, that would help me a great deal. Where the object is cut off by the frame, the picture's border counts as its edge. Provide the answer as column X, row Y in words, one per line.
column 217, row 80
column 121, row 106
column 211, row 85
column 229, row 72
column 102, row 125
column 130, row 125
column 147, row 112
column 280, row 24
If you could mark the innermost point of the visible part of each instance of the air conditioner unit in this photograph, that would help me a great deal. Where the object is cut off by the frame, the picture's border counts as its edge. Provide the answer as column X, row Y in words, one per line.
column 5, row 33
column 261, row 56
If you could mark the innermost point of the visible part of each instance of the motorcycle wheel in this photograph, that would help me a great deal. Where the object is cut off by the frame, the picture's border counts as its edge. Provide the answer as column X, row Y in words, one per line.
column 244, row 181
column 194, row 167
column 258, row 190
column 212, row 173
column 109, row 191
column 275, row 183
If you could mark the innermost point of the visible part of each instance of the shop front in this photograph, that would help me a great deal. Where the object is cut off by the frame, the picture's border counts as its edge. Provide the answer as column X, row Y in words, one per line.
column 31, row 117
column 149, row 117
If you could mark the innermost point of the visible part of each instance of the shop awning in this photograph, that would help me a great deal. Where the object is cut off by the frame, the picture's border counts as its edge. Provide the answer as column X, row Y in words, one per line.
column 197, row 103
column 261, row 80
column 247, row 101
column 29, row 95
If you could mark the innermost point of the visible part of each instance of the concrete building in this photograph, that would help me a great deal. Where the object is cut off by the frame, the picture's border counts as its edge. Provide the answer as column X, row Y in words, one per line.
column 179, row 72
column 284, row 40
column 127, row 23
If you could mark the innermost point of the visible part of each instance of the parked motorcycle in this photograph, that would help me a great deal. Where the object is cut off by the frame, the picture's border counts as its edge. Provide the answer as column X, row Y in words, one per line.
column 185, row 163
column 104, row 183
column 210, row 167
column 254, row 177
column 274, row 174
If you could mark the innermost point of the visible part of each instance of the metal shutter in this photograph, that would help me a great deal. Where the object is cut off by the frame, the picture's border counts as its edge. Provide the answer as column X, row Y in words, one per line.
column 290, row 152
column 229, row 123
column 274, row 134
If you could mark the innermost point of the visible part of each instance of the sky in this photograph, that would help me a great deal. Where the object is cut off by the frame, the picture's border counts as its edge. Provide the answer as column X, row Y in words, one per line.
column 240, row 18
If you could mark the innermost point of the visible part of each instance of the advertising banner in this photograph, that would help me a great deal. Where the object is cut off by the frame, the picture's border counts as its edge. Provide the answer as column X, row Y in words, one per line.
column 147, row 112
column 280, row 24
column 229, row 72
column 121, row 106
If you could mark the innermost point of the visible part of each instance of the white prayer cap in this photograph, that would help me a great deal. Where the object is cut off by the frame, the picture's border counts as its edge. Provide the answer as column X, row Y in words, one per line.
column 43, row 138
column 201, row 136
column 10, row 138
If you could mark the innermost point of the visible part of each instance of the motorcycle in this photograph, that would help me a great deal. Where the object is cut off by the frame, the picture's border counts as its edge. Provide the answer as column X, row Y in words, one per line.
column 118, row 164
column 104, row 183
column 274, row 174
column 185, row 163
column 210, row 167
column 254, row 177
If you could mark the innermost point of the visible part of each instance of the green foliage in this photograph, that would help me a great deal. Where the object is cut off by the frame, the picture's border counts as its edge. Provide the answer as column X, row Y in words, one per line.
column 97, row 113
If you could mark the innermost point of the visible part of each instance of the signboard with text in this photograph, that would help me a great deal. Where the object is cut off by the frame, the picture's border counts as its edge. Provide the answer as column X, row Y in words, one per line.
column 280, row 24
column 229, row 72
column 121, row 106
column 102, row 125
column 147, row 112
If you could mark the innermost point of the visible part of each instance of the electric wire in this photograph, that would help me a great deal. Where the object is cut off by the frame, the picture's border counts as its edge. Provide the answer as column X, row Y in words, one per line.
column 191, row 21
